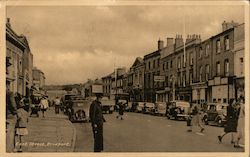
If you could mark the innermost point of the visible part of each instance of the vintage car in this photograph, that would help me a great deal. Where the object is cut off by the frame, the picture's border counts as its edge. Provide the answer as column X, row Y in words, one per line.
column 128, row 107
column 78, row 111
column 139, row 107
column 178, row 110
column 149, row 107
column 107, row 105
column 215, row 114
column 160, row 108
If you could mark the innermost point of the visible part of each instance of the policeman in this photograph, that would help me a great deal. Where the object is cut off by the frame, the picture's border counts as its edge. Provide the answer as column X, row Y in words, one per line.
column 97, row 119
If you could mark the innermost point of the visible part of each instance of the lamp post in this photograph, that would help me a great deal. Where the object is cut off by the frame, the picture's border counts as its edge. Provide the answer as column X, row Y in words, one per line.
column 173, row 86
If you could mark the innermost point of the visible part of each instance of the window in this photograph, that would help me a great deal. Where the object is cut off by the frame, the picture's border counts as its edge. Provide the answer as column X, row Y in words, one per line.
column 171, row 64
column 179, row 62
column 201, row 71
column 158, row 62
column 200, row 52
column 218, row 48
column 167, row 66
column 191, row 58
column 224, row 100
column 163, row 66
column 191, row 77
column 167, row 81
column 184, row 79
column 226, row 42
column 207, row 50
column 149, row 65
column 217, row 68
column 226, row 67
column 207, row 72
column 241, row 60
column 153, row 64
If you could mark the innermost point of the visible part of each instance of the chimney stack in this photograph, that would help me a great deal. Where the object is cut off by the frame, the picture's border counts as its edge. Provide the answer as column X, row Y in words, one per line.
column 178, row 40
column 228, row 25
column 170, row 41
column 160, row 44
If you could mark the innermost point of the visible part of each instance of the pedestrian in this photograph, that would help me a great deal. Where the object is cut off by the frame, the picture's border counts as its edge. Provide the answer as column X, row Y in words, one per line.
column 241, row 124
column 97, row 119
column 231, row 121
column 44, row 104
column 121, row 110
column 11, row 119
column 21, row 125
column 57, row 104
column 195, row 119
column 26, row 102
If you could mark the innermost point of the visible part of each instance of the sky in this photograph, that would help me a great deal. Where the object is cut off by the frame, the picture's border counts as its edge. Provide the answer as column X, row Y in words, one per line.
column 71, row 44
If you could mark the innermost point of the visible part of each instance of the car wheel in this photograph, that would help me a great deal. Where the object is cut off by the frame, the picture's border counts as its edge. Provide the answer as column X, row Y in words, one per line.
column 219, row 122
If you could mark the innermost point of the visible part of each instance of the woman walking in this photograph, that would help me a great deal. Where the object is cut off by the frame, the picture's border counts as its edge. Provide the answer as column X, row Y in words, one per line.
column 196, row 119
column 21, row 125
column 44, row 105
column 241, row 124
column 231, row 123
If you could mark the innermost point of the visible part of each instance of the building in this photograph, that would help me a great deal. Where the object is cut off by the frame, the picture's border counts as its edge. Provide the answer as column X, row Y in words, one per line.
column 19, row 62
column 221, row 86
column 117, row 79
column 135, row 80
column 107, row 82
column 38, row 79
column 152, row 69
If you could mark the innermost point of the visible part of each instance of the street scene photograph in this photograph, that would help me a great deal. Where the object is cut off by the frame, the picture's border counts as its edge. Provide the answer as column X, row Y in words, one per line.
column 125, row 78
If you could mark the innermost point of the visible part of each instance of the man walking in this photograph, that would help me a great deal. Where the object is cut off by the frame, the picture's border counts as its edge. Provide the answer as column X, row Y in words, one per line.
column 57, row 104
column 97, row 119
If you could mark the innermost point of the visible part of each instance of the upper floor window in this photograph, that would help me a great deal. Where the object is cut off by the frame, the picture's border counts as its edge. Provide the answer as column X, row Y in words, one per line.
column 167, row 65
column 207, row 50
column 226, row 66
column 154, row 64
column 163, row 66
column 217, row 68
column 167, row 81
column 179, row 63
column 200, row 52
column 226, row 42
column 149, row 65
column 201, row 71
column 207, row 72
column 158, row 62
column 218, row 47
column 191, row 58
column 171, row 64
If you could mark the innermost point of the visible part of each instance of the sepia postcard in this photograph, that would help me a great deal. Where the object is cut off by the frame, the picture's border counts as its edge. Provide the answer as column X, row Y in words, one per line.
column 124, row 78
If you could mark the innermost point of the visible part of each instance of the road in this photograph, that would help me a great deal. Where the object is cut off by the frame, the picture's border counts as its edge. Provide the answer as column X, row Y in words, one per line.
column 146, row 133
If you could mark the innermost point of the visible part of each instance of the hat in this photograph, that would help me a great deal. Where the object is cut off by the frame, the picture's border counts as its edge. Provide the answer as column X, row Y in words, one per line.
column 98, row 94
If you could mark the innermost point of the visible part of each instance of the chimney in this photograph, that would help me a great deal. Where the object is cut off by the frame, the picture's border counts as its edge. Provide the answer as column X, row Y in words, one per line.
column 228, row 25
column 160, row 44
column 8, row 22
column 170, row 41
column 178, row 40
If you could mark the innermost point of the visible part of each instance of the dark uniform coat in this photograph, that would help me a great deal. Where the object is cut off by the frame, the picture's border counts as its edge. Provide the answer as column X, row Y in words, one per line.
column 97, row 119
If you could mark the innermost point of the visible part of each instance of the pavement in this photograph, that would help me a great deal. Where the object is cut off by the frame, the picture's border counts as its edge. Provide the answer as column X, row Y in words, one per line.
column 52, row 133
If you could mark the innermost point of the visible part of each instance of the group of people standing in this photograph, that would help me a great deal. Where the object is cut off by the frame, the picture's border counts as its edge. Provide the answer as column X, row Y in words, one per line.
column 235, row 122
column 235, row 119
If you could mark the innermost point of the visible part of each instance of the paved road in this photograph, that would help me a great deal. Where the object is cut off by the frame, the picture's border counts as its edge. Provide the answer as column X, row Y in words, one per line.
column 147, row 133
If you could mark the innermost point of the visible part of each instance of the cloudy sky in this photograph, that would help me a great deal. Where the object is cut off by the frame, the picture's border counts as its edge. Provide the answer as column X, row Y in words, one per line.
column 72, row 44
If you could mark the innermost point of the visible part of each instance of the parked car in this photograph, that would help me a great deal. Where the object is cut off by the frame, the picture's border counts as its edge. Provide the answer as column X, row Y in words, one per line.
column 79, row 111
column 139, row 107
column 215, row 114
column 128, row 106
column 149, row 107
column 178, row 110
column 160, row 108
column 134, row 106
column 107, row 105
